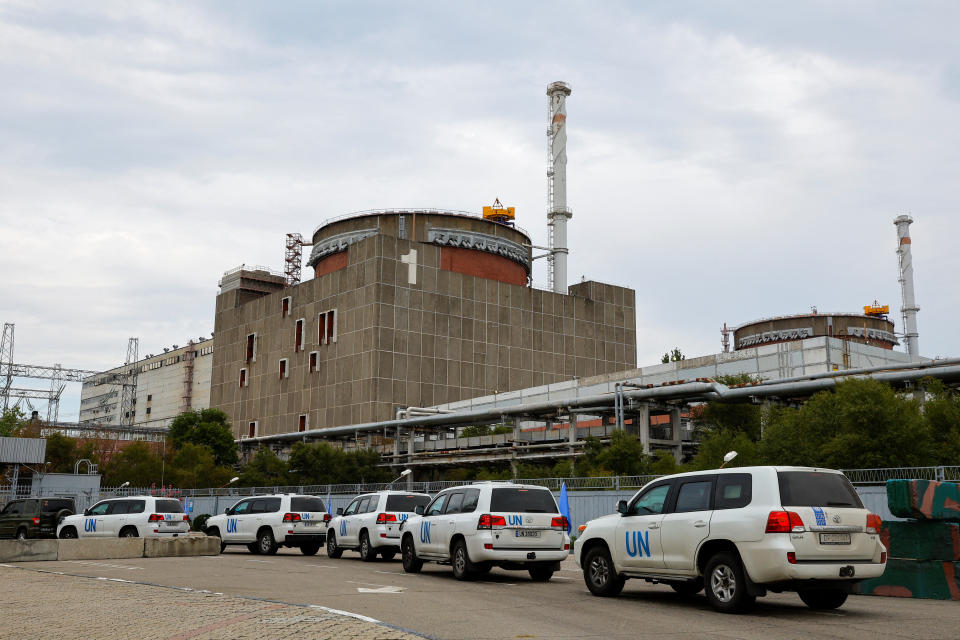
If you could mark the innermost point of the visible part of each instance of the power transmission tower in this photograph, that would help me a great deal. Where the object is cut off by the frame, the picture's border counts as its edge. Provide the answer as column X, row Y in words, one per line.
column 128, row 395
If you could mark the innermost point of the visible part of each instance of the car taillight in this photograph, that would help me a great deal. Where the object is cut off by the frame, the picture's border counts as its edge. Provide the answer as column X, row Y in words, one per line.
column 155, row 517
column 291, row 517
column 873, row 523
column 384, row 518
column 326, row 517
column 883, row 557
column 186, row 518
column 791, row 557
column 559, row 522
column 36, row 520
column 488, row 521
column 784, row 522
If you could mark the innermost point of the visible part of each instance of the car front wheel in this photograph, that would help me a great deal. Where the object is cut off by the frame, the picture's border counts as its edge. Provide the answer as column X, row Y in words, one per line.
column 726, row 584
column 600, row 575
column 408, row 554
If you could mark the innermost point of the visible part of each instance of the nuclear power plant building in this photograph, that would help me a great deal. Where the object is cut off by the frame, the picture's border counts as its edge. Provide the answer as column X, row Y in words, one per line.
column 406, row 308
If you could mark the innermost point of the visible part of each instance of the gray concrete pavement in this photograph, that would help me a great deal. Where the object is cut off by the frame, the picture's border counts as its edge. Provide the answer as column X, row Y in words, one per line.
column 509, row 605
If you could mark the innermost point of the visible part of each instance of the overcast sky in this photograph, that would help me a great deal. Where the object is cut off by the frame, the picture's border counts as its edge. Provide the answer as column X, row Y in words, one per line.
column 729, row 161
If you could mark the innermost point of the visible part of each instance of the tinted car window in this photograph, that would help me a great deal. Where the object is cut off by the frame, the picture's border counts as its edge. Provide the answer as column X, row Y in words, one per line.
column 165, row 506
column 470, row 499
column 351, row 508
column 651, row 501
column 734, row 490
column 454, row 503
column 816, row 489
column 362, row 505
column 400, row 503
column 11, row 509
column 100, row 509
column 307, row 504
column 266, row 505
column 119, row 507
column 52, row 505
column 436, row 507
column 694, row 496
column 372, row 505
column 518, row 500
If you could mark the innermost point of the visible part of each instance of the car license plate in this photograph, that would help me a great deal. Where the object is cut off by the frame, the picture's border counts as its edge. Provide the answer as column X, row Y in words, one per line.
column 525, row 533
column 308, row 523
column 834, row 538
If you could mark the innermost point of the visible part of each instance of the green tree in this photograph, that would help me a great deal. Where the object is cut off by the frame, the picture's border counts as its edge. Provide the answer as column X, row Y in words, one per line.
column 193, row 466
column 673, row 356
column 716, row 444
column 265, row 469
column 664, row 464
column 941, row 413
column 135, row 464
column 624, row 455
column 12, row 421
column 320, row 463
column 474, row 431
column 206, row 427
column 61, row 453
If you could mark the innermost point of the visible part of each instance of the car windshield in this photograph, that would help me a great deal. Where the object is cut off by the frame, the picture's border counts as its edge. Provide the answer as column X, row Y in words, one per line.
column 169, row 506
column 52, row 505
column 817, row 489
column 406, row 503
column 519, row 500
column 307, row 505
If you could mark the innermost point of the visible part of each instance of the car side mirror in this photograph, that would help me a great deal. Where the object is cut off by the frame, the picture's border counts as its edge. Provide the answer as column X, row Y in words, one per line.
column 86, row 512
column 418, row 510
column 622, row 508
column 228, row 511
column 339, row 511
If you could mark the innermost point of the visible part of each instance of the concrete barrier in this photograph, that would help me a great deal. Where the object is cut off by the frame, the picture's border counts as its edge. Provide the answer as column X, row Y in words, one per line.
column 28, row 550
column 191, row 545
column 100, row 549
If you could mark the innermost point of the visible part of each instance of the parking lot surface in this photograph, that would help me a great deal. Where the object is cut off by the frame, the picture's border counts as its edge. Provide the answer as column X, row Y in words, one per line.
column 503, row 604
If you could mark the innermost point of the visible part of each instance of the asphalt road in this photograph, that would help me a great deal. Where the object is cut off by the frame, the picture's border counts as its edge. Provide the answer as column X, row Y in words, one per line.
column 507, row 604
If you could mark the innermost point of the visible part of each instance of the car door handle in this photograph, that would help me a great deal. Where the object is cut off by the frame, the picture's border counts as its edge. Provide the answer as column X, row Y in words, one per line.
column 653, row 526
column 699, row 523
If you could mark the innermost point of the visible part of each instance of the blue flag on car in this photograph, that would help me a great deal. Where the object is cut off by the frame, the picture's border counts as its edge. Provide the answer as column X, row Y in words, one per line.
column 565, row 506
column 329, row 508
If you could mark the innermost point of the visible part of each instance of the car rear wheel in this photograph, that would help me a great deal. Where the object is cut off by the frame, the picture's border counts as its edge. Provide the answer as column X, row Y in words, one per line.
column 411, row 563
column 367, row 554
column 21, row 534
column 333, row 551
column 726, row 584
column 541, row 574
column 600, row 575
column 266, row 543
column 460, row 559
column 823, row 599
column 68, row 533
column 129, row 532
column 309, row 548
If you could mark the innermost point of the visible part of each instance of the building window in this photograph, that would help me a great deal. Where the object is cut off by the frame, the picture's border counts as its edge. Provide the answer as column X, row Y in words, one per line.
column 313, row 362
column 252, row 430
column 284, row 369
column 285, row 307
column 243, row 377
column 303, row 422
column 149, row 397
column 252, row 347
column 148, row 410
column 327, row 327
column 298, row 336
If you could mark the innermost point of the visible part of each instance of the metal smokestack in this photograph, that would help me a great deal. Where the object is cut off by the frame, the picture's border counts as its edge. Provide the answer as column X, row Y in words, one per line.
column 909, row 308
column 557, row 211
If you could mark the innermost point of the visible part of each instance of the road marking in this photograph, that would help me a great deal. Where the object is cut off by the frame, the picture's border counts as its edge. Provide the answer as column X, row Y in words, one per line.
column 104, row 564
column 262, row 561
column 380, row 590
column 345, row 613
column 372, row 584
column 322, row 566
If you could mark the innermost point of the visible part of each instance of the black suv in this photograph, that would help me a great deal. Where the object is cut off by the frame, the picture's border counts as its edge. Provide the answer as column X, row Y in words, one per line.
column 34, row 517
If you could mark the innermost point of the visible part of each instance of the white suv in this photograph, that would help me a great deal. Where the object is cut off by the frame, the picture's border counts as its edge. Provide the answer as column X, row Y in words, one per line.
column 743, row 532
column 131, row 517
column 476, row 527
column 371, row 524
column 265, row 523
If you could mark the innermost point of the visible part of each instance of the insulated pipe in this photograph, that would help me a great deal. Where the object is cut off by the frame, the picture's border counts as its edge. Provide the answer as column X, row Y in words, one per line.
column 887, row 367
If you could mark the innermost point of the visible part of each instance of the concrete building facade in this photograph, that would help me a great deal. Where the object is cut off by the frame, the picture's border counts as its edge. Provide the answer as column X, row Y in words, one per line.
column 405, row 309
column 167, row 384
